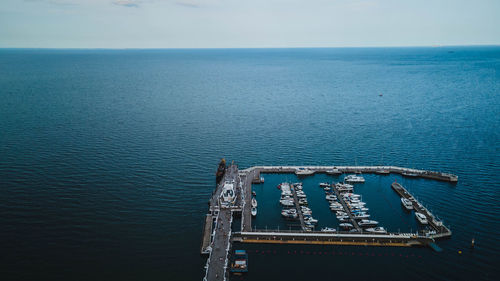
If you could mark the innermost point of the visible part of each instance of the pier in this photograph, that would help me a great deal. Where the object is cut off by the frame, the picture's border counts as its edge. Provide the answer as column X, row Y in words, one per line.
column 218, row 237
column 440, row 230
column 297, row 206
column 346, row 209
column 356, row 169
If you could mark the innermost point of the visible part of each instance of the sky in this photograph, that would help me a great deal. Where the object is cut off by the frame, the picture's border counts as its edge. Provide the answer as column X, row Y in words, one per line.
column 247, row 23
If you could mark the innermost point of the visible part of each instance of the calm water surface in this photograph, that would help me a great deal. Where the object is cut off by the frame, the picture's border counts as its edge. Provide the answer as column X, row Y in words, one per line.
column 107, row 158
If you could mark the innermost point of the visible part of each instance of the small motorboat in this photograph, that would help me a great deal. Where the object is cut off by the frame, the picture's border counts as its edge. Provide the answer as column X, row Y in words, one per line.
column 311, row 220
column 253, row 193
column 328, row 229
column 333, row 171
column 354, row 179
column 324, row 184
column 346, row 226
column 361, row 216
column 379, row 229
column 367, row 223
column 254, row 212
column 303, row 172
column 407, row 204
column 327, row 188
column 254, row 203
column 421, row 218
column 330, row 197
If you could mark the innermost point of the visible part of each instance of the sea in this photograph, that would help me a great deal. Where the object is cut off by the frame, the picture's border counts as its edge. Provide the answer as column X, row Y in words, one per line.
column 108, row 157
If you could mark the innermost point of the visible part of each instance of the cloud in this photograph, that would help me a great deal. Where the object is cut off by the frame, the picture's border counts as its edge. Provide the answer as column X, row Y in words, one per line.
column 127, row 3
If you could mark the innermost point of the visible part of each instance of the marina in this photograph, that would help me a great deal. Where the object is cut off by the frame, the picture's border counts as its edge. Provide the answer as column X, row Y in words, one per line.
column 234, row 198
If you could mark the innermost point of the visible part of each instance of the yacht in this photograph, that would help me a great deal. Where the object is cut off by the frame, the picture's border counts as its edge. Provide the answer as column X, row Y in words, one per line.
column 328, row 229
column 354, row 179
column 346, row 226
column 324, row 184
column 311, row 220
column 330, row 197
column 409, row 174
column 303, row 201
column 367, row 223
column 407, row 203
column 254, row 203
column 376, row 230
column 361, row 216
column 303, row 172
column 421, row 218
column 287, row 203
column 254, row 211
column 333, row 171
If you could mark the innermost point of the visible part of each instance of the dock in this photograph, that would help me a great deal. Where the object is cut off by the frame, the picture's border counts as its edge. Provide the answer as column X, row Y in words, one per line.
column 299, row 210
column 218, row 237
column 440, row 231
column 441, row 176
column 346, row 209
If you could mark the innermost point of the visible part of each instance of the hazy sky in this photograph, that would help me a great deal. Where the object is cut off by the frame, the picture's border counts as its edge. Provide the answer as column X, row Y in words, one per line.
column 247, row 23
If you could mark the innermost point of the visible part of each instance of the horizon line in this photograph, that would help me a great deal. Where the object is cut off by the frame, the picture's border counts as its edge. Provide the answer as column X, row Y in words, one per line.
column 225, row 48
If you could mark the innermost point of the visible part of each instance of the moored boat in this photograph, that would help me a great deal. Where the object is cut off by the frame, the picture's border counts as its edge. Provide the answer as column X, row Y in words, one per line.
column 346, row 226
column 421, row 218
column 354, row 179
column 254, row 203
column 239, row 262
column 303, row 172
column 379, row 229
column 367, row 223
column 254, row 211
column 407, row 204
column 333, row 171
column 328, row 229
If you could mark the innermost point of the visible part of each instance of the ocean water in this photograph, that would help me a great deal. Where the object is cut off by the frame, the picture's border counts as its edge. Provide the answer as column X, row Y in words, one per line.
column 107, row 157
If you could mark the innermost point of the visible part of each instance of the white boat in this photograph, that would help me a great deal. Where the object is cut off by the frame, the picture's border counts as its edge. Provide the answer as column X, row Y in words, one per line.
column 354, row 179
column 376, row 230
column 254, row 203
column 254, row 211
column 303, row 202
column 361, row 216
column 367, row 223
column 324, row 184
column 327, row 189
column 330, row 197
column 261, row 179
column 287, row 203
column 311, row 220
column 334, row 171
column 407, row 204
column 328, row 229
column 346, row 225
column 342, row 217
column 303, row 172
column 421, row 218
